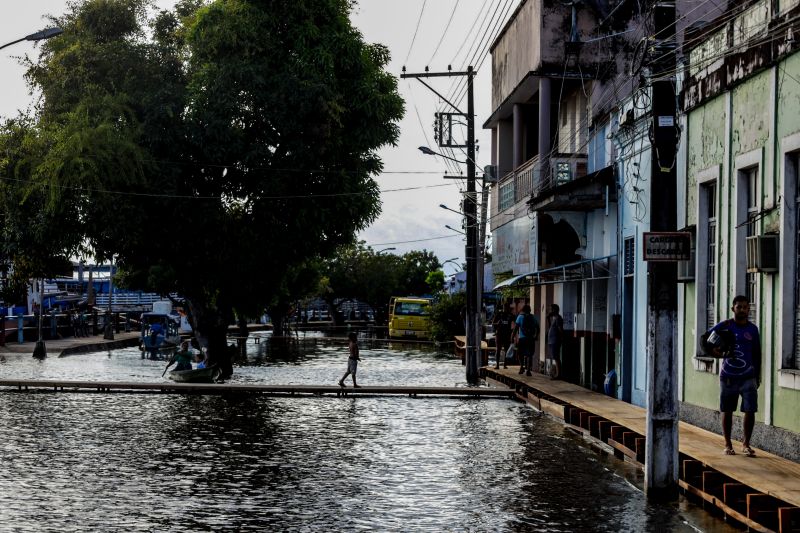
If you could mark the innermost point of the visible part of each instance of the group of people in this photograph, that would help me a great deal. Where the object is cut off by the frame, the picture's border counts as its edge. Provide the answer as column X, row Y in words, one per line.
column 736, row 341
column 79, row 323
column 518, row 335
column 184, row 358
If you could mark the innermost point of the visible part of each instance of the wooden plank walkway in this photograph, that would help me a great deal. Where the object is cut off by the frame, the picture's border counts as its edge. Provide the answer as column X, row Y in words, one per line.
column 766, row 473
column 170, row 387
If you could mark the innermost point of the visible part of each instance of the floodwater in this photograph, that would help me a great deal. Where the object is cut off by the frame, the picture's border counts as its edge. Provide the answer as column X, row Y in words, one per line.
column 150, row 462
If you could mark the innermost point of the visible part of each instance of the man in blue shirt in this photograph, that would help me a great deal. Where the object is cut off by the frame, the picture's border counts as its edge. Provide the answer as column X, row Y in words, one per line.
column 740, row 374
column 527, row 330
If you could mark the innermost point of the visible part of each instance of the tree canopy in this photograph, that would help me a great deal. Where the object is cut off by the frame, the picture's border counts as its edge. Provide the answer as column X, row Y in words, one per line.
column 211, row 149
column 357, row 272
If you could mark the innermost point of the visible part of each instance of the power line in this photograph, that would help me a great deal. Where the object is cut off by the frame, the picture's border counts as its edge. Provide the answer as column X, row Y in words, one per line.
column 444, row 33
column 196, row 197
column 417, row 240
column 413, row 39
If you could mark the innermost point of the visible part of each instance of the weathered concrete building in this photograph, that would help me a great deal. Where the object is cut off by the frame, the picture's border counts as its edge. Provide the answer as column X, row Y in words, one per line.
column 553, row 212
column 740, row 182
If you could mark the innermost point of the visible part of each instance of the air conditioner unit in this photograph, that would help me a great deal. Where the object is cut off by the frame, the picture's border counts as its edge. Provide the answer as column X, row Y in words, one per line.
column 686, row 269
column 762, row 253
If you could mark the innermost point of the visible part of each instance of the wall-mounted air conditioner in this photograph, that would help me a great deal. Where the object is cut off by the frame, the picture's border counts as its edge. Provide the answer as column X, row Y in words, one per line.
column 762, row 253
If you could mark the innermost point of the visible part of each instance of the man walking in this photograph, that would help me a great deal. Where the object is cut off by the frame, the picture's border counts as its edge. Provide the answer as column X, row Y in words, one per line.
column 527, row 332
column 741, row 371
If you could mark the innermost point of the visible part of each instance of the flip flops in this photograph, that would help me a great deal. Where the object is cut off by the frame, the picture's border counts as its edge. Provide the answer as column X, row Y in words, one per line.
column 728, row 450
column 748, row 451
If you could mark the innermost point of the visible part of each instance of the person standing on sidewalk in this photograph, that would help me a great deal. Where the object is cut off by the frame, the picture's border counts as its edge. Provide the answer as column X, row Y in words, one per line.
column 501, row 323
column 555, row 336
column 741, row 370
column 527, row 332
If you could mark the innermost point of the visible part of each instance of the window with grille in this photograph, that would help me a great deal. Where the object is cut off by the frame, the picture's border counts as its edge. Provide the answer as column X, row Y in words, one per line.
column 711, row 249
column 751, row 280
column 506, row 195
column 629, row 259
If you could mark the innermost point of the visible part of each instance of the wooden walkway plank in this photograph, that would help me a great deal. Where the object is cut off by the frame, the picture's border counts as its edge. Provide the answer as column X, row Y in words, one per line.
column 766, row 473
column 231, row 388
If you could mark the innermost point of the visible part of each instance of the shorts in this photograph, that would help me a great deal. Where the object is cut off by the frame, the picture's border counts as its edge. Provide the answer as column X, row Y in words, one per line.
column 524, row 348
column 731, row 388
column 352, row 366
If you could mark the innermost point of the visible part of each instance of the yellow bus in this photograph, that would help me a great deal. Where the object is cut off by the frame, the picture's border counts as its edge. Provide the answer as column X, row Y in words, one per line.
column 409, row 317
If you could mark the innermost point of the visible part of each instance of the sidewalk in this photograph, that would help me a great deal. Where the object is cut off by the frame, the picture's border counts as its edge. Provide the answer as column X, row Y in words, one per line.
column 73, row 345
column 757, row 491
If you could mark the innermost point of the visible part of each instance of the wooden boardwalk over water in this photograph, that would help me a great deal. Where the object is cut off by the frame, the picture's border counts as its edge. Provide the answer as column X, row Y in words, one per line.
column 169, row 387
column 763, row 492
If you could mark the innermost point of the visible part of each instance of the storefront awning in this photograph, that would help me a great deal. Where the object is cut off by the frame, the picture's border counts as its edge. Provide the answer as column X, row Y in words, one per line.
column 509, row 282
column 585, row 270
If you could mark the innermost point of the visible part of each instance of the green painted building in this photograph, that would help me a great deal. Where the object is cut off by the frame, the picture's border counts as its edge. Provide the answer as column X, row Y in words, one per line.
column 739, row 180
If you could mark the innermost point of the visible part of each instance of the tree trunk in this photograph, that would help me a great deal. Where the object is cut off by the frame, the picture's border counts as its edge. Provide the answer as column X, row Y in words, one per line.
column 279, row 313
column 211, row 327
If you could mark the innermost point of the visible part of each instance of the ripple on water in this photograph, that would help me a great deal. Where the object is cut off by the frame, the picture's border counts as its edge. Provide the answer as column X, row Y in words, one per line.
column 106, row 462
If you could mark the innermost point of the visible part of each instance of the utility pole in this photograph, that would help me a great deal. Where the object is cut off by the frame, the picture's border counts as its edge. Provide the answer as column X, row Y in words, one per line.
column 661, row 449
column 473, row 318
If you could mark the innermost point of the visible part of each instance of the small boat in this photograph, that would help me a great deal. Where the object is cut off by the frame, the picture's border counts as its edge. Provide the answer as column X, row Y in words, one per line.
column 197, row 375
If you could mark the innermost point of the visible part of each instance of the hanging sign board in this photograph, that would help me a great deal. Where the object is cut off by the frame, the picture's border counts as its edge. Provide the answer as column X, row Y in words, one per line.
column 667, row 246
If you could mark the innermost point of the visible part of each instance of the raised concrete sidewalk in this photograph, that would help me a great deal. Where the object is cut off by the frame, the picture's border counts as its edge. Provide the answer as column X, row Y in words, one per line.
column 763, row 492
column 73, row 345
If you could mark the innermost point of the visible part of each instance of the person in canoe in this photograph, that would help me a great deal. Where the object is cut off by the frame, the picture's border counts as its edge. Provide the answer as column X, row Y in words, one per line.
column 183, row 357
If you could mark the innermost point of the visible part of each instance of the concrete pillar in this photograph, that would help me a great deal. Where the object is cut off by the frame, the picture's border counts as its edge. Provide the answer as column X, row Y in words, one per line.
column 519, row 135
column 505, row 148
column 545, row 136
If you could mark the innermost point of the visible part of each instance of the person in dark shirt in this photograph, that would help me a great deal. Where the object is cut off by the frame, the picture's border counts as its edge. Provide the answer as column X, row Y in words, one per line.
column 501, row 322
column 555, row 335
column 740, row 374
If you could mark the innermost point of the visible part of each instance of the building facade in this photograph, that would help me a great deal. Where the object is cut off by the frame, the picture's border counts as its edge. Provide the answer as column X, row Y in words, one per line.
column 739, row 180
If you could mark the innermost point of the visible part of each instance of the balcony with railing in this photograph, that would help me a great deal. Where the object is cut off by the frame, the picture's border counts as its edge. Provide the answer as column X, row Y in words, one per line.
column 528, row 183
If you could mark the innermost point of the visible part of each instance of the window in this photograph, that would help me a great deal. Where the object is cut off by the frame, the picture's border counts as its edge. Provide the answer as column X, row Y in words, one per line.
column 629, row 264
column 711, row 253
column 506, row 195
column 751, row 280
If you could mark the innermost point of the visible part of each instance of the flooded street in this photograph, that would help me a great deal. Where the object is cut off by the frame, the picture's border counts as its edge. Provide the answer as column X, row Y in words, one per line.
column 150, row 462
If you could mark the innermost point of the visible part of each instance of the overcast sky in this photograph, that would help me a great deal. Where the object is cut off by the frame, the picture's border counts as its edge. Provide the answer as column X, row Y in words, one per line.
column 411, row 219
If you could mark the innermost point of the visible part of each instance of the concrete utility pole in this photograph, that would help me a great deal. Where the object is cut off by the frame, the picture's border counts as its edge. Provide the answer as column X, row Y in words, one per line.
column 661, row 451
column 470, row 209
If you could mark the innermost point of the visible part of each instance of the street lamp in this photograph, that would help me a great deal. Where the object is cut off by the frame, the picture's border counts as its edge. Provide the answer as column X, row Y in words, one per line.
column 379, row 252
column 427, row 151
column 38, row 36
column 39, row 351
column 453, row 260
column 448, row 226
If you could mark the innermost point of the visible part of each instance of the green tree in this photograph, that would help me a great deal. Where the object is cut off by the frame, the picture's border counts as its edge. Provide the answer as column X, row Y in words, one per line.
column 435, row 281
column 215, row 148
column 357, row 272
column 447, row 318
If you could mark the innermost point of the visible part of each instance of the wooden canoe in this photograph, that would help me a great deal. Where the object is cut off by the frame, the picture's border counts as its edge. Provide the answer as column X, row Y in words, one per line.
column 197, row 375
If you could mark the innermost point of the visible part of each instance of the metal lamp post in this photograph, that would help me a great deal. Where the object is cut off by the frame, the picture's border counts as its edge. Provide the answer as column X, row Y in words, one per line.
column 38, row 36
column 39, row 351
column 379, row 252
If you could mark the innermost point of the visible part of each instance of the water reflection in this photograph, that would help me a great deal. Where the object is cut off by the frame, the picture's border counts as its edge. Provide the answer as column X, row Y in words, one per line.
column 104, row 462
